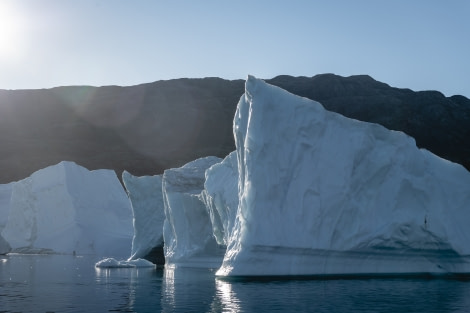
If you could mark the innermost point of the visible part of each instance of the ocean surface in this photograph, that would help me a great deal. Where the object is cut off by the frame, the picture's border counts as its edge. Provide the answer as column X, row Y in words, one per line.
column 62, row 283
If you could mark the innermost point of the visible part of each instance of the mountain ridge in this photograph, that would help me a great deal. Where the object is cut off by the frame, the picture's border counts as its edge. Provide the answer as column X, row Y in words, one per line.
column 150, row 127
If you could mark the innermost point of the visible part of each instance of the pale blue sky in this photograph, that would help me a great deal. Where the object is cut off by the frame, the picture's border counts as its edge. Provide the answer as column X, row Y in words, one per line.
column 419, row 44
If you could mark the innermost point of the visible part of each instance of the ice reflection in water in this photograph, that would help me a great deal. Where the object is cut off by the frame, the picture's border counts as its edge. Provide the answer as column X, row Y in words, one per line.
column 138, row 289
column 169, row 287
column 187, row 290
column 227, row 297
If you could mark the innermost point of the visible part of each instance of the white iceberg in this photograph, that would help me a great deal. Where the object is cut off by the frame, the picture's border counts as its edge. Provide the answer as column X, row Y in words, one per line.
column 146, row 197
column 187, row 230
column 68, row 209
column 323, row 194
column 220, row 195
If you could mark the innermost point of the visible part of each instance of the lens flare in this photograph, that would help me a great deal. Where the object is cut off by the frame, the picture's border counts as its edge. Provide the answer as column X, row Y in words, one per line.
column 12, row 26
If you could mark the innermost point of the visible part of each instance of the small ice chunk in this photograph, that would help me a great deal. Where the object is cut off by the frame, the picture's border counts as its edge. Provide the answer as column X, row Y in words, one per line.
column 113, row 263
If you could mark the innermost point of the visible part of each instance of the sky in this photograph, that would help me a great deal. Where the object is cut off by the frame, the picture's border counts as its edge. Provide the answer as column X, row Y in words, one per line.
column 419, row 44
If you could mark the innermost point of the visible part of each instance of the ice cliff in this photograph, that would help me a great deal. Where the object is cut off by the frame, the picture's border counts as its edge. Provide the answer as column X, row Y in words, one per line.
column 146, row 197
column 187, row 229
column 220, row 195
column 324, row 194
column 66, row 208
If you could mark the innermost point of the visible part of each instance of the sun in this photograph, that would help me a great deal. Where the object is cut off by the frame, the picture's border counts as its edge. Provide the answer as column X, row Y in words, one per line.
column 11, row 31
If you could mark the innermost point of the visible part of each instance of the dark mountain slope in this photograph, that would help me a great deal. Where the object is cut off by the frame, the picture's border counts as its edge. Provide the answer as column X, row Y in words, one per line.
column 150, row 127
column 143, row 129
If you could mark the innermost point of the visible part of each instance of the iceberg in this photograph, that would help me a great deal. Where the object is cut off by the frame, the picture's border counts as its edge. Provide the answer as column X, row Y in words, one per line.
column 68, row 209
column 220, row 195
column 322, row 194
column 146, row 197
column 187, row 230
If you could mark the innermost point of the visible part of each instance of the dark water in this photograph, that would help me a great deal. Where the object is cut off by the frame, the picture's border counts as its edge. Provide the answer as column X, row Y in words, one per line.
column 54, row 283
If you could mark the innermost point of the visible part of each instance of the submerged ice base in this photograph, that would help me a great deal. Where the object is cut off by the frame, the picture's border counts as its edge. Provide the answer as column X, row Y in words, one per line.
column 322, row 194
column 276, row 261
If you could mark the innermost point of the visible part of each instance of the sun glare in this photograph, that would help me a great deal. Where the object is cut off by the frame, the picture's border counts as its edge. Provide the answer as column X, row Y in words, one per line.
column 11, row 28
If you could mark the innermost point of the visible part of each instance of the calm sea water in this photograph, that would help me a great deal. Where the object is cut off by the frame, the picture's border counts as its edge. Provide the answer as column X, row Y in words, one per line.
column 56, row 283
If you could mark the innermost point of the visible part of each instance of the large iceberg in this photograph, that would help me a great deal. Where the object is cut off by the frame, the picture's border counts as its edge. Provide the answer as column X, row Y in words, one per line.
column 187, row 230
column 322, row 194
column 68, row 209
column 146, row 197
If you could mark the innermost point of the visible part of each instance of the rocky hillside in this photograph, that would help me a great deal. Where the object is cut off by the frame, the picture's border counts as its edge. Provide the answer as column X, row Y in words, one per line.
column 150, row 127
